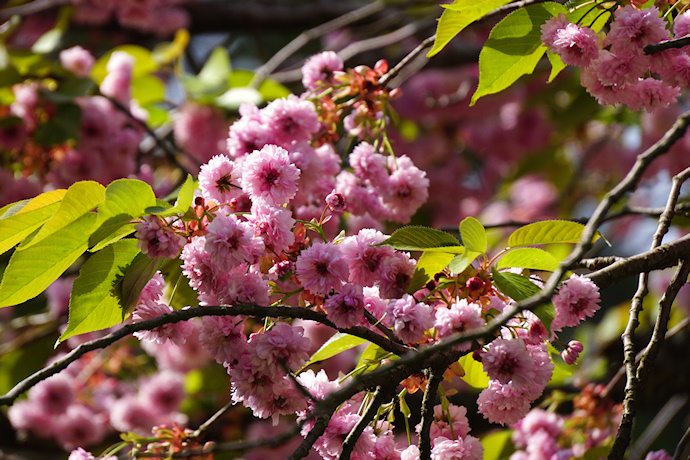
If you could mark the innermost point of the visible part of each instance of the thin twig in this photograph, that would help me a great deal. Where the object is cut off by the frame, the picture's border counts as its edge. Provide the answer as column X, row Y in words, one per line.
column 392, row 73
column 308, row 35
column 381, row 396
column 204, row 426
column 435, row 378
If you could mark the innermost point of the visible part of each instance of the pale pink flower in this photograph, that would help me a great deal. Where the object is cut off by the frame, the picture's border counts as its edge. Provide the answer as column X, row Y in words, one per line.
column 576, row 45
column 320, row 69
column 153, row 290
column 676, row 71
column 268, row 175
column 290, row 120
column 410, row 453
column 404, row 192
column 239, row 285
column 330, row 444
column 651, row 94
column 163, row 392
column 318, row 384
column 367, row 164
column 282, row 345
column 200, row 130
column 231, row 242
column 613, row 70
column 248, row 133
column 117, row 82
column 604, row 94
column 321, row 268
column 469, row 448
column 273, row 225
column 335, row 202
column 223, row 337
column 156, row 239
column 197, row 266
column 53, row 395
column 364, row 257
column 81, row 454
column 132, row 414
column 27, row 417
column 577, row 299
column 456, row 416
column 346, row 307
column 462, row 316
column 658, row 455
column 502, row 404
column 550, row 28
column 681, row 25
column 219, row 180
column 175, row 332
column 79, row 426
column 543, row 370
column 632, row 29
column 537, row 420
column 77, row 60
column 507, row 360
column 395, row 272
column 410, row 319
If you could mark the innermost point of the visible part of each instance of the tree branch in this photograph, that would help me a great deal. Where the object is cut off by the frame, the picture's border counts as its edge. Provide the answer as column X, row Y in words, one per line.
column 667, row 45
column 435, row 379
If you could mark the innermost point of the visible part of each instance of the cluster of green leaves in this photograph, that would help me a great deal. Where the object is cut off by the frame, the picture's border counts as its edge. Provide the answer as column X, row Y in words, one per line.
column 55, row 229
column 514, row 46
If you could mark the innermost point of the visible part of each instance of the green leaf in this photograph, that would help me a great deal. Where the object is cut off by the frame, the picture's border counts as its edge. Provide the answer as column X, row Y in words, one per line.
column 337, row 344
column 459, row 15
column 545, row 232
column 474, row 372
column 125, row 200
column 557, row 65
column 139, row 272
column 532, row 258
column 513, row 49
column 372, row 357
column 428, row 265
column 213, row 77
column 594, row 18
column 416, row 238
column 95, row 302
column 519, row 288
column 498, row 445
column 143, row 62
column 473, row 235
column 82, row 197
column 31, row 271
column 147, row 90
column 15, row 226
column 460, row 262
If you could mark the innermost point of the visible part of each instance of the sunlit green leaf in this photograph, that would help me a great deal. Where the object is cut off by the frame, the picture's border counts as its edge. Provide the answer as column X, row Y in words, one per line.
column 498, row 445
column 513, row 48
column 148, row 89
column 460, row 262
column 474, row 372
column 81, row 197
column 213, row 77
column 15, row 226
column 125, row 200
column 143, row 62
column 337, row 344
column 545, row 232
column 532, row 258
column 95, row 302
column 473, row 235
column 459, row 15
column 428, row 265
column 31, row 271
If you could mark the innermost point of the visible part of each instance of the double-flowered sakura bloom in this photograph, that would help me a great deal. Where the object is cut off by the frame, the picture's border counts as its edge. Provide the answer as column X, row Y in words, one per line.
column 273, row 225
column 290, row 120
column 268, row 175
column 219, row 180
column 346, row 307
column 321, row 267
column 231, row 242
column 321, row 69
column 410, row 319
column 157, row 239
column 462, row 316
column 577, row 299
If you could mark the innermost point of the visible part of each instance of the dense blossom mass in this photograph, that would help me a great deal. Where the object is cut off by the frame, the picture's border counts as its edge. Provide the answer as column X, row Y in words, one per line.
column 296, row 280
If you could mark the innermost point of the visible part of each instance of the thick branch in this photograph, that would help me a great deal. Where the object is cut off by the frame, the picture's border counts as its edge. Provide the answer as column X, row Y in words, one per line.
column 183, row 315
column 435, row 379
column 667, row 45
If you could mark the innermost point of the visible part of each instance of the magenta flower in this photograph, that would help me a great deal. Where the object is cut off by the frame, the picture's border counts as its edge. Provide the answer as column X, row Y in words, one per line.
column 572, row 352
column 502, row 404
column 468, row 448
column 507, row 360
column 346, row 307
column 163, row 391
column 53, row 395
column 223, row 337
column 79, row 426
column 395, row 272
column 321, row 268
column 577, row 299
column 281, row 345
column 268, row 175
column 632, row 29
column 576, row 45
column 410, row 319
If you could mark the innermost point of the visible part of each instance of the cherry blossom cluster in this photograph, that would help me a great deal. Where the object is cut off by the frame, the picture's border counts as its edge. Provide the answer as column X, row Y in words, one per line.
column 159, row 17
column 615, row 69
column 107, row 138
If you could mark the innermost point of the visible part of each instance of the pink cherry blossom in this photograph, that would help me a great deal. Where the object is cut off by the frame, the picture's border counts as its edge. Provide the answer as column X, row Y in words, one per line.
column 268, row 175
column 321, row 267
